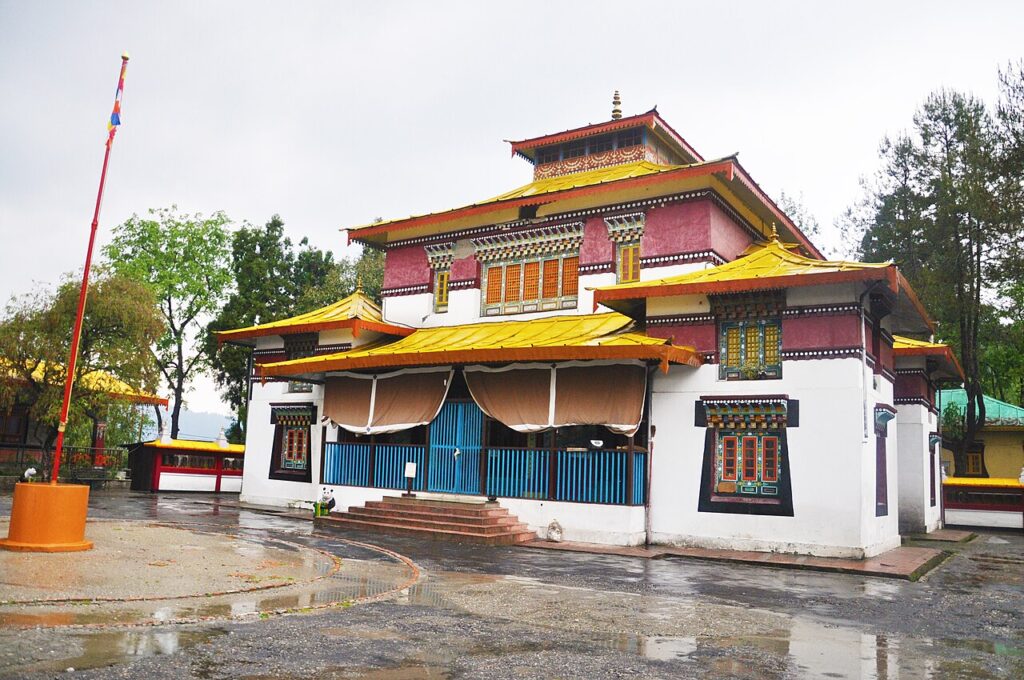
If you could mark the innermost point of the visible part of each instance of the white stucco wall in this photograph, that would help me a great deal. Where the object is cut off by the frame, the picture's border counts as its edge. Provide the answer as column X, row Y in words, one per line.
column 259, row 441
column 177, row 481
column 917, row 515
column 831, row 466
column 985, row 518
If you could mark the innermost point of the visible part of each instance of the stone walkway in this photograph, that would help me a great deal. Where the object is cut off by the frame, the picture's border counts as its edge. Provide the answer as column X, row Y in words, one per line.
column 904, row 562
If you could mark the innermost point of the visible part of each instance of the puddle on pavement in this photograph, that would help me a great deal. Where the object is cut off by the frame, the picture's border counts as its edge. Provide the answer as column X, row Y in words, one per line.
column 986, row 646
column 354, row 581
column 96, row 650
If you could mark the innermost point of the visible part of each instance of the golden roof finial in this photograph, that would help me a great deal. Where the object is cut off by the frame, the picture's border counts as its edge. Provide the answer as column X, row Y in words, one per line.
column 359, row 284
column 616, row 103
column 775, row 233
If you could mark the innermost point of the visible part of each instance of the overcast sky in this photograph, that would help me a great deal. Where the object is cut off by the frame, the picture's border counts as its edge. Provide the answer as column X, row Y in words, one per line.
column 333, row 113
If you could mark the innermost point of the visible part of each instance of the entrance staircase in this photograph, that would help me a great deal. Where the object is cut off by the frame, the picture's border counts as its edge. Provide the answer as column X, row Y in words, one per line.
column 466, row 521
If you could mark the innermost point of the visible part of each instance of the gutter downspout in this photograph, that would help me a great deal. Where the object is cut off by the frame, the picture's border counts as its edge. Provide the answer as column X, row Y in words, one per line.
column 650, row 454
column 864, row 361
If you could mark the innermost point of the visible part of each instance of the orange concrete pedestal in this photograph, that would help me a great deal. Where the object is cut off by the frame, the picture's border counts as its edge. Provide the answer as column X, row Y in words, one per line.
column 48, row 518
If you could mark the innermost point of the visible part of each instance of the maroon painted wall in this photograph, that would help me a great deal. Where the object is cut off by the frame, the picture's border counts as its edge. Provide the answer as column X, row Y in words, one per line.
column 597, row 248
column 406, row 266
column 465, row 269
column 820, row 332
column 728, row 238
column 913, row 385
column 700, row 336
column 678, row 228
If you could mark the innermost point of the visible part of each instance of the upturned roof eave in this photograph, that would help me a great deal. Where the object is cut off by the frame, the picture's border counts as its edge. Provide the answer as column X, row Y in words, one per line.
column 356, row 325
column 662, row 354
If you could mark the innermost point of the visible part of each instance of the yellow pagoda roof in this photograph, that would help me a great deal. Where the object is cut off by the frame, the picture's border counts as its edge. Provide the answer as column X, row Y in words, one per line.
column 94, row 381
column 559, row 338
column 356, row 311
column 548, row 185
column 903, row 342
column 586, row 178
column 643, row 178
column 904, row 347
column 760, row 264
column 991, row 482
column 763, row 266
column 192, row 445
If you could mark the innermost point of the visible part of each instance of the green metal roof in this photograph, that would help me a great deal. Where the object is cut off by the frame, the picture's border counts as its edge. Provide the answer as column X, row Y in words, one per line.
column 997, row 413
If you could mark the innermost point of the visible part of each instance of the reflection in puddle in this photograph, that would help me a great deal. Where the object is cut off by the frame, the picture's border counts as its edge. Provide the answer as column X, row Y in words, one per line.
column 356, row 580
column 108, row 648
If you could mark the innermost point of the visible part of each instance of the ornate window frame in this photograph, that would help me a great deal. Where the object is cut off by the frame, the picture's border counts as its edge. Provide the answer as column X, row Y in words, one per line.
column 746, row 455
column 530, row 271
column 293, row 426
column 440, row 256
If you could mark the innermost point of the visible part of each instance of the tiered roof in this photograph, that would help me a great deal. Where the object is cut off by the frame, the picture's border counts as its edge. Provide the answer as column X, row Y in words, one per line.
column 613, row 184
column 948, row 363
column 94, row 381
column 527, row 148
column 560, row 338
column 356, row 312
column 765, row 266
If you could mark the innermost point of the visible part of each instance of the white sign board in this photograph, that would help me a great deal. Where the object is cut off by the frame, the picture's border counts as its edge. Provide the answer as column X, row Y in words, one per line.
column 410, row 470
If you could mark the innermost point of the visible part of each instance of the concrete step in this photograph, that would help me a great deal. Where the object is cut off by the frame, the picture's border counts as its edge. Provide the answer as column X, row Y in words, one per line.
column 401, row 512
column 442, row 508
column 503, row 538
column 443, row 524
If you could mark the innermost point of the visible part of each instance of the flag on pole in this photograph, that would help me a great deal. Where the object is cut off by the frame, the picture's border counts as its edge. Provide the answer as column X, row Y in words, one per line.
column 115, row 115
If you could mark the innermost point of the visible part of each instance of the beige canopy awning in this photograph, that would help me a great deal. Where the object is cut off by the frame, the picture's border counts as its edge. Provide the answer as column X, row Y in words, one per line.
column 386, row 402
column 537, row 397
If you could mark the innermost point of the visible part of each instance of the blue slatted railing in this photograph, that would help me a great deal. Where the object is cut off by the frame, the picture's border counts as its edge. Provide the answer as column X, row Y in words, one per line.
column 347, row 464
column 517, row 473
column 592, row 476
column 389, row 466
column 580, row 476
column 639, row 478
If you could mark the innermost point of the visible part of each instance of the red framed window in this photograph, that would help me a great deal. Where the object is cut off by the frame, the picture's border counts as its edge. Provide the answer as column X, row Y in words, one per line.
column 729, row 445
column 570, row 276
column 750, row 459
column 512, row 272
column 770, row 459
column 494, row 285
column 531, row 281
column 551, row 278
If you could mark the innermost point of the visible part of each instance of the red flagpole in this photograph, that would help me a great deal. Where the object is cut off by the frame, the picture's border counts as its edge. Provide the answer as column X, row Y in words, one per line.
column 77, row 333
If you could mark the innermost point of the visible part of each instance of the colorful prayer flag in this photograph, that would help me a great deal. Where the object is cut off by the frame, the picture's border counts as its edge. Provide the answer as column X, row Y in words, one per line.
column 115, row 115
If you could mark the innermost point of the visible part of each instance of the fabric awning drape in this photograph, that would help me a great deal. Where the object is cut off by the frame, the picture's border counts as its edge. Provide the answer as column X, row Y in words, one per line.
column 389, row 402
column 538, row 397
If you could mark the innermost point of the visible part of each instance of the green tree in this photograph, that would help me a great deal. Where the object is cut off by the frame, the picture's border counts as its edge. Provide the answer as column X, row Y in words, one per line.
column 35, row 338
column 271, row 277
column 183, row 259
column 938, row 207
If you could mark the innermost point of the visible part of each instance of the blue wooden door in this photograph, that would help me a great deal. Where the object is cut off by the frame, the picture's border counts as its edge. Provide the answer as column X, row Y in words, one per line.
column 455, row 442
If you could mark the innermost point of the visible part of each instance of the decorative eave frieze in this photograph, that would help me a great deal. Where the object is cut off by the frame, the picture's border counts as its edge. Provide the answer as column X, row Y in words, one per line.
column 405, row 290
column 681, row 320
column 550, row 240
column 627, row 228
column 440, row 255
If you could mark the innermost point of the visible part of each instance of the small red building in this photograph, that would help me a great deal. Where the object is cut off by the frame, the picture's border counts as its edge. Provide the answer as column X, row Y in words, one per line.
column 186, row 465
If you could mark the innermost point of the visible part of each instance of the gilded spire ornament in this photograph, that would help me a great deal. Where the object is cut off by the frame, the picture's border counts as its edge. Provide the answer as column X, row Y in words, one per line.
column 775, row 233
column 616, row 104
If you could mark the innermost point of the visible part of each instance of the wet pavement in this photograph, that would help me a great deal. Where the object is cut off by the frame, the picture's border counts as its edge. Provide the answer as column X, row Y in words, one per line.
column 461, row 611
